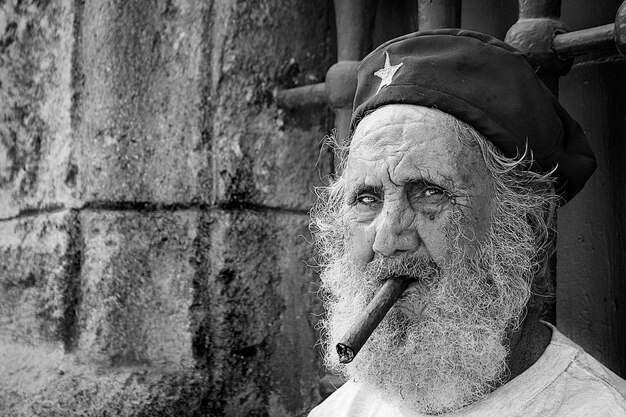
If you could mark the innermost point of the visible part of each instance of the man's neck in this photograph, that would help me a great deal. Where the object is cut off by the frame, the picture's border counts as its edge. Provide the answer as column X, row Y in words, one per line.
column 527, row 344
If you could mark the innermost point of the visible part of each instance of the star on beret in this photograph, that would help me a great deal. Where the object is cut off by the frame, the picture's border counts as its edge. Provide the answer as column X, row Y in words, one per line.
column 387, row 72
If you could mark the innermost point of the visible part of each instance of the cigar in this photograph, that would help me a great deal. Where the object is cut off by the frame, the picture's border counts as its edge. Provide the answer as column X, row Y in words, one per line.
column 354, row 339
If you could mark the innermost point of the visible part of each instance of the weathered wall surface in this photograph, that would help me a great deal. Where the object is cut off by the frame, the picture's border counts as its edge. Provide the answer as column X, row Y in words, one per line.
column 36, row 46
column 153, row 206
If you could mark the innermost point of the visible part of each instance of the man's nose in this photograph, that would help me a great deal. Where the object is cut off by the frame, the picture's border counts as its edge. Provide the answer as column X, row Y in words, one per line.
column 394, row 234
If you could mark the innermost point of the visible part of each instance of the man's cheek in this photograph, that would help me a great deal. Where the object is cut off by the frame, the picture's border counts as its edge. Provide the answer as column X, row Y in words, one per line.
column 358, row 244
column 433, row 235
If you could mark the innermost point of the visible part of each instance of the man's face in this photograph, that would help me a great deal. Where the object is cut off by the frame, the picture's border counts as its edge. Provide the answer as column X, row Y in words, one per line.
column 415, row 200
column 406, row 174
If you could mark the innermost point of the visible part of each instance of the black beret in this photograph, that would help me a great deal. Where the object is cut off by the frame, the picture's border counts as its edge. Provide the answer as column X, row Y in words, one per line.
column 486, row 83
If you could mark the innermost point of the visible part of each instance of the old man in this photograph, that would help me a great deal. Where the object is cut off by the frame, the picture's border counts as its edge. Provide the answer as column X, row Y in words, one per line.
column 458, row 159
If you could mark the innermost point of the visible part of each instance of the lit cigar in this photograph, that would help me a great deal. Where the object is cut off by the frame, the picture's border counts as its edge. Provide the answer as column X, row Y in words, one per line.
column 350, row 344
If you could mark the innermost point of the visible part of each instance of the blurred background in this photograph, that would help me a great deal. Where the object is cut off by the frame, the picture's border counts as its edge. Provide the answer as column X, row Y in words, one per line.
column 155, row 179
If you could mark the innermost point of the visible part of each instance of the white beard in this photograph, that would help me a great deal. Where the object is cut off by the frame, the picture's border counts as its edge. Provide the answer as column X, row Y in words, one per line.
column 444, row 344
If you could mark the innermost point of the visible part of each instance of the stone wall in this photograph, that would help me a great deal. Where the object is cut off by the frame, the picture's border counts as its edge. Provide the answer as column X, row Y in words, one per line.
column 154, row 255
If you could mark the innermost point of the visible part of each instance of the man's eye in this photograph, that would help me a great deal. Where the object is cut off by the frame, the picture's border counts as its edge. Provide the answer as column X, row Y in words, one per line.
column 432, row 191
column 367, row 199
column 426, row 193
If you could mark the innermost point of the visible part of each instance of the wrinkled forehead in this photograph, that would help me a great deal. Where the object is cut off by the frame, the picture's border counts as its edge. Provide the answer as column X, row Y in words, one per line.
column 404, row 142
column 402, row 128
column 402, row 114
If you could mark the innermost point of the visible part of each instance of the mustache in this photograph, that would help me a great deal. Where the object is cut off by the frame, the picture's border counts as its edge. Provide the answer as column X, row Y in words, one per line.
column 417, row 267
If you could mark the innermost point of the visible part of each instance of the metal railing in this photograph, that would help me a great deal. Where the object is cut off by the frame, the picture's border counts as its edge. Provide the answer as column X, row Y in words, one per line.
column 539, row 33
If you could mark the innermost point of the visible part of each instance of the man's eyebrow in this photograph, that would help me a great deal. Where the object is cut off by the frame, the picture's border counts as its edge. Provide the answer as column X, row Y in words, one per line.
column 424, row 176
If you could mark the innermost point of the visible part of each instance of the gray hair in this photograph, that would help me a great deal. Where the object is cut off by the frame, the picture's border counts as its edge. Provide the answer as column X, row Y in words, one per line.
column 530, row 193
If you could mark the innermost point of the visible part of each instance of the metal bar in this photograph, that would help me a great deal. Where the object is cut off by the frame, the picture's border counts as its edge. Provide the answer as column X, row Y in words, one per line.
column 342, row 124
column 341, row 84
column 584, row 41
column 532, row 9
column 439, row 14
column 533, row 34
column 354, row 20
column 308, row 95
column 606, row 37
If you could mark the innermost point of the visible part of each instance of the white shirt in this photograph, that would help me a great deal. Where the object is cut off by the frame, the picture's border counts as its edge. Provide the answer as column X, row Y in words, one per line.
column 565, row 381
